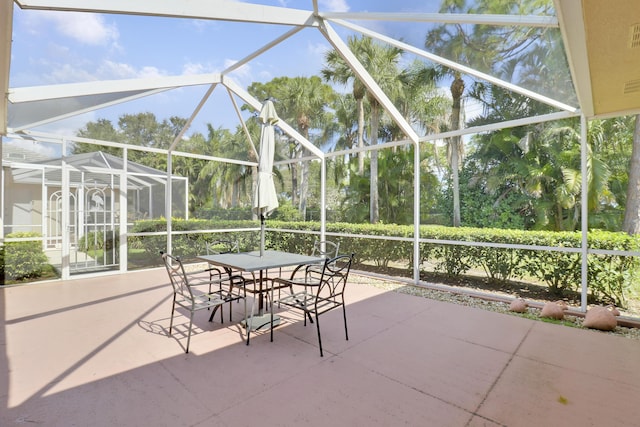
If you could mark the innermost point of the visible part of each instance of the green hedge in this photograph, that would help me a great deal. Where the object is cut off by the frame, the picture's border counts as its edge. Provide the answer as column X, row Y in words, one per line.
column 609, row 277
column 23, row 260
column 192, row 244
column 95, row 240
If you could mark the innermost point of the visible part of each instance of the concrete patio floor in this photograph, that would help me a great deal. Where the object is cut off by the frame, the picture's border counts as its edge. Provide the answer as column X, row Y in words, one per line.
column 94, row 352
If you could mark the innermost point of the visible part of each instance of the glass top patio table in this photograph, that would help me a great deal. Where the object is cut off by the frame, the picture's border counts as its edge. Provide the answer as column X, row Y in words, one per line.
column 251, row 262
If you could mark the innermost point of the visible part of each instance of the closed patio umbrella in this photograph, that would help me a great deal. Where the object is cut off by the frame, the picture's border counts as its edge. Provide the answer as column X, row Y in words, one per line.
column 265, row 199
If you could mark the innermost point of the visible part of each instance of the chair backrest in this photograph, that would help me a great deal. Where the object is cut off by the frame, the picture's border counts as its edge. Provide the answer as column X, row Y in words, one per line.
column 177, row 275
column 334, row 275
column 222, row 247
column 325, row 249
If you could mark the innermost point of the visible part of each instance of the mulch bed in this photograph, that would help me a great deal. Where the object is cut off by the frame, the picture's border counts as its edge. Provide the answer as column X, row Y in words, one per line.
column 511, row 288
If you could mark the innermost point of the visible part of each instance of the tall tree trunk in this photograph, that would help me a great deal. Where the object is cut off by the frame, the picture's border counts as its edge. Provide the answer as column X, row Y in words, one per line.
column 304, row 190
column 360, row 135
column 235, row 195
column 374, row 211
column 455, row 181
column 457, row 89
column 559, row 216
column 632, row 211
column 294, row 184
column 304, row 182
column 303, row 128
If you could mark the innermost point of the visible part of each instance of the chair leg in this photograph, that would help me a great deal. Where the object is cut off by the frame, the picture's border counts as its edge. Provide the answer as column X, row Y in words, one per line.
column 271, row 303
column 245, row 313
column 173, row 309
column 189, row 333
column 344, row 314
column 319, row 337
column 213, row 313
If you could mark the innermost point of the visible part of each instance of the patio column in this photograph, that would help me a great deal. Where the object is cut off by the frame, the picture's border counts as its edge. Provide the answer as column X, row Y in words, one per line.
column 323, row 201
column 167, row 199
column 64, row 221
column 416, row 212
column 122, row 223
column 584, row 199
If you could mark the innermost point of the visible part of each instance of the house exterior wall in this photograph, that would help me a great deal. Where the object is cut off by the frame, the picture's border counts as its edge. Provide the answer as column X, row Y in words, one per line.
column 22, row 206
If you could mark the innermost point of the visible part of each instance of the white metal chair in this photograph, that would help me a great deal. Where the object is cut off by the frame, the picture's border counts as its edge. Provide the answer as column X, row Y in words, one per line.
column 185, row 297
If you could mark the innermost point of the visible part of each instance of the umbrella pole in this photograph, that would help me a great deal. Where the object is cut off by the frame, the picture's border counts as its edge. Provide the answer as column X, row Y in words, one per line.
column 262, row 231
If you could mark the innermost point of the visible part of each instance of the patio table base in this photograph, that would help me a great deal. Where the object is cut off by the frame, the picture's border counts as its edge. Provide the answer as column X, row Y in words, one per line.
column 258, row 322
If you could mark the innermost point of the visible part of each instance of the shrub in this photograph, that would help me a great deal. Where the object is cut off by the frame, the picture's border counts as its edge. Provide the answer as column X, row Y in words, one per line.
column 286, row 212
column 95, row 240
column 609, row 277
column 23, row 260
column 191, row 243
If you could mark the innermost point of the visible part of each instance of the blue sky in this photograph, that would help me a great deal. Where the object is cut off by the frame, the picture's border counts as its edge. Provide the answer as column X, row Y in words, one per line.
column 66, row 47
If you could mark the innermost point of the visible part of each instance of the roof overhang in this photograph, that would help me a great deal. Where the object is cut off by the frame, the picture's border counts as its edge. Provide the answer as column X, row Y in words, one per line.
column 602, row 42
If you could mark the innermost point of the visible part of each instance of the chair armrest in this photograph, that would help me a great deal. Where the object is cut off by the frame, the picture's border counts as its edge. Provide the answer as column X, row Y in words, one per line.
column 295, row 271
column 289, row 282
column 317, row 267
column 214, row 270
column 237, row 280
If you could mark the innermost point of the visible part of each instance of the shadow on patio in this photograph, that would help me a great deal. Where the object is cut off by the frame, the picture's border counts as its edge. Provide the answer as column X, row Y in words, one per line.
column 94, row 351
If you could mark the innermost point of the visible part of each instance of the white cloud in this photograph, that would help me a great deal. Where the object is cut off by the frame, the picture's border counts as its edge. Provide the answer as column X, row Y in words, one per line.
column 116, row 70
column 149, row 72
column 191, row 68
column 86, row 28
column 44, row 149
column 265, row 76
column 200, row 25
column 318, row 49
column 334, row 5
column 244, row 73
column 59, row 73
column 324, row 5
column 68, row 73
column 110, row 70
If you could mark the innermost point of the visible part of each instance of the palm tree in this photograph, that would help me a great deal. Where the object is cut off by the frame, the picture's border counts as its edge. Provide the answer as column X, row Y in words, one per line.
column 227, row 182
column 479, row 47
column 419, row 100
column 455, row 146
column 381, row 62
column 338, row 71
column 303, row 101
column 345, row 128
